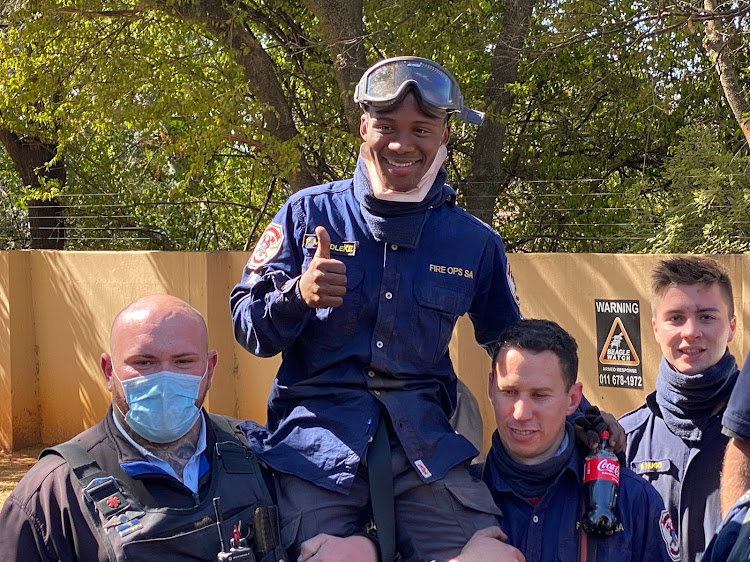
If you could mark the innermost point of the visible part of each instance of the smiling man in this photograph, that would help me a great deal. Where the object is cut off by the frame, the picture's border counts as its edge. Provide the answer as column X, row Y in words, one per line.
column 535, row 471
column 675, row 439
column 358, row 283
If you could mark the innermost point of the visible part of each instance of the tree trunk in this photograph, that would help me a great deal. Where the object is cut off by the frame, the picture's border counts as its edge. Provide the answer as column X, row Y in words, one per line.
column 259, row 70
column 486, row 173
column 717, row 48
column 342, row 25
column 31, row 158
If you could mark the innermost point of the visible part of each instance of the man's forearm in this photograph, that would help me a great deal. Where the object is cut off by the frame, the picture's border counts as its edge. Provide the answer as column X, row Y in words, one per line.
column 735, row 475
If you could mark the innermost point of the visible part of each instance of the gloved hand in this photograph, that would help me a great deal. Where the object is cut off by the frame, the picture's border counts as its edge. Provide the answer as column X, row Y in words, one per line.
column 589, row 426
column 592, row 423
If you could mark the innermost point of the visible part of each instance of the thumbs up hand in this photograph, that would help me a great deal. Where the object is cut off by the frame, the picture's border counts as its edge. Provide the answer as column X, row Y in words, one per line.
column 323, row 285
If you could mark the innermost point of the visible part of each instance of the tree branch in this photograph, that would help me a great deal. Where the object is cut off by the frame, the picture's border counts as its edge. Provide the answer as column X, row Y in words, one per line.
column 716, row 47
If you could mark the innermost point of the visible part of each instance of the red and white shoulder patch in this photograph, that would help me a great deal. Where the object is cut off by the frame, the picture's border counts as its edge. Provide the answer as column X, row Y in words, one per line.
column 669, row 534
column 268, row 245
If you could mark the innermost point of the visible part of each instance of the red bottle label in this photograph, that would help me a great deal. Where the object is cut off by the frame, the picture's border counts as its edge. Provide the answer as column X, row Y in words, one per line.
column 601, row 469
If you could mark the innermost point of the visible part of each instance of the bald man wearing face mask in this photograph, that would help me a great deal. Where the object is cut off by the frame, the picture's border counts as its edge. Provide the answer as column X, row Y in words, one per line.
column 141, row 483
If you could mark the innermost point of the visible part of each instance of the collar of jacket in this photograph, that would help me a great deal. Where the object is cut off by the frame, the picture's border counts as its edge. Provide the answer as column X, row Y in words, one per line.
column 398, row 222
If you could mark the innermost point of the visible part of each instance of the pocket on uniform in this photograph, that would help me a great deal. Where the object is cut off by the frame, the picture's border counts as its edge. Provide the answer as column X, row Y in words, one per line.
column 439, row 307
column 189, row 539
column 473, row 506
column 289, row 527
column 332, row 326
column 473, row 497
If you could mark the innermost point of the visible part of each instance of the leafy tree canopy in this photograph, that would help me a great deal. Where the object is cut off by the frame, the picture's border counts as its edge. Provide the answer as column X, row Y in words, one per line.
column 185, row 124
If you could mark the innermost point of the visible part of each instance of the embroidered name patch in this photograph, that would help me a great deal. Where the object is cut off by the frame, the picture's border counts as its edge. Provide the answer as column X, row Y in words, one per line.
column 669, row 535
column 268, row 245
column 451, row 270
column 343, row 248
column 649, row 466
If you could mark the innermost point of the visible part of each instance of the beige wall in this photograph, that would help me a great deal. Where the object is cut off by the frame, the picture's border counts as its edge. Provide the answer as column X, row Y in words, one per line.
column 56, row 309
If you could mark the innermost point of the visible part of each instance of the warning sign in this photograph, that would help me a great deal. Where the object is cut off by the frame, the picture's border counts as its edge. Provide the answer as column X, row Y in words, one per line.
column 618, row 340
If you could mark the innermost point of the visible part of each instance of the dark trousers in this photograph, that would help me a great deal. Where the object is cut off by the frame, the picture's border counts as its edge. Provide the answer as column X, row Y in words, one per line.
column 433, row 521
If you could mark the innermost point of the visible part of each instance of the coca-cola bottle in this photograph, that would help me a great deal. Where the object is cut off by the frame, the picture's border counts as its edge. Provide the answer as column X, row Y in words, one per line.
column 601, row 480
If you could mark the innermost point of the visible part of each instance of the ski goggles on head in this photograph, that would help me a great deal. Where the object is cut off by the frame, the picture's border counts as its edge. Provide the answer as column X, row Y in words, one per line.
column 386, row 83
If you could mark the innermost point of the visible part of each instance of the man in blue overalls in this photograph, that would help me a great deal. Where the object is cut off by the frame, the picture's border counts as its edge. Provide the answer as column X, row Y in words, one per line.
column 140, row 485
column 675, row 440
column 535, row 471
column 359, row 283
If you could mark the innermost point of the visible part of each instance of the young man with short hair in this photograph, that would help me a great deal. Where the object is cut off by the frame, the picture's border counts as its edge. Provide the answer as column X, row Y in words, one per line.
column 674, row 440
column 535, row 471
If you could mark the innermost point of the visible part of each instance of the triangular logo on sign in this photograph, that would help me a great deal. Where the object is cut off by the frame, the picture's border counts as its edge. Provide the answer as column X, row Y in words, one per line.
column 613, row 352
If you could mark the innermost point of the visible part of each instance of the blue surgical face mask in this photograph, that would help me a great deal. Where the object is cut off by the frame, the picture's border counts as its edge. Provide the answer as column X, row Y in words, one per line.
column 162, row 405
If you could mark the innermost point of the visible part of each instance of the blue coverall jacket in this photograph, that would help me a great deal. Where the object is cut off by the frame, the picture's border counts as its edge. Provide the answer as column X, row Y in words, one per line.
column 729, row 532
column 686, row 474
column 386, row 346
column 736, row 420
column 551, row 531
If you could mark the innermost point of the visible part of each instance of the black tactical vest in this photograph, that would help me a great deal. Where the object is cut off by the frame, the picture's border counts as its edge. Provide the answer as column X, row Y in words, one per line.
column 131, row 531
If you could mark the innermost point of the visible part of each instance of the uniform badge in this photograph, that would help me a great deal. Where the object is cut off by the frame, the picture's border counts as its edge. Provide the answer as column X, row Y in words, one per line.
column 268, row 245
column 126, row 523
column 129, row 527
column 669, row 534
column 345, row 248
column 660, row 466
column 512, row 284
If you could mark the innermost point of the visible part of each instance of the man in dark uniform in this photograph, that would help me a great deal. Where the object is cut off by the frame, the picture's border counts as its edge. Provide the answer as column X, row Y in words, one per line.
column 735, row 476
column 675, row 439
column 141, row 483
column 732, row 540
column 359, row 283
column 534, row 469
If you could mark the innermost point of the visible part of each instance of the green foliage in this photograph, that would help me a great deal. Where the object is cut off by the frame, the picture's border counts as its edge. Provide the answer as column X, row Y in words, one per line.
column 12, row 229
column 597, row 108
column 143, row 108
column 165, row 145
column 705, row 208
